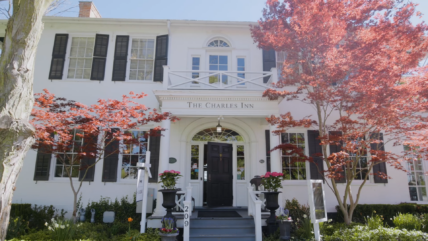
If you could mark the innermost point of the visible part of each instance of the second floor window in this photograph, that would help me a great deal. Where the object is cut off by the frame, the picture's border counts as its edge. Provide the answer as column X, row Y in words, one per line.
column 141, row 59
column 81, row 54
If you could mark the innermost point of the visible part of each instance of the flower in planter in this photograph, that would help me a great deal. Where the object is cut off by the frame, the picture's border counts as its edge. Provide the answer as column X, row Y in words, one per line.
column 284, row 216
column 168, row 226
column 271, row 181
column 169, row 179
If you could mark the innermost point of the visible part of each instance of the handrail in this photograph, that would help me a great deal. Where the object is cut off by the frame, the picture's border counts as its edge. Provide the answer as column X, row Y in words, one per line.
column 255, row 210
column 222, row 80
column 188, row 208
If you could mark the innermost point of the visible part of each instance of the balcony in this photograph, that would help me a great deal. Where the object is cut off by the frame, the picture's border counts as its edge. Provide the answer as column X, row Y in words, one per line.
column 218, row 80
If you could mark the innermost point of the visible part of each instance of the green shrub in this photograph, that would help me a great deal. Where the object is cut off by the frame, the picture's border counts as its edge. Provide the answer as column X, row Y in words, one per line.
column 387, row 210
column 363, row 233
column 123, row 210
column 374, row 222
column 327, row 229
column 62, row 229
column 17, row 227
column 94, row 231
column 407, row 221
column 424, row 221
column 44, row 235
column 297, row 213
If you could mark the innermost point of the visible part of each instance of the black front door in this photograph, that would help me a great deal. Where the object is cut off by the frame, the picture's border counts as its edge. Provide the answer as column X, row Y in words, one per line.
column 219, row 170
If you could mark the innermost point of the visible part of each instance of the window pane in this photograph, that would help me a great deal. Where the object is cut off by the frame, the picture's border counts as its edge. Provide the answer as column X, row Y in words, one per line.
column 422, row 194
column 213, row 59
column 195, row 61
column 222, row 59
column 241, row 168
column 194, row 169
column 413, row 194
column 241, row 62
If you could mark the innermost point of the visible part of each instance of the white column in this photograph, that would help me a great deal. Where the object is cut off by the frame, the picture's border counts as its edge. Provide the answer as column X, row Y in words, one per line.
column 163, row 164
column 275, row 156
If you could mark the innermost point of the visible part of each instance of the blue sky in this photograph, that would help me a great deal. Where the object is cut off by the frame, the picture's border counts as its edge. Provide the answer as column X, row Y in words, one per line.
column 223, row 10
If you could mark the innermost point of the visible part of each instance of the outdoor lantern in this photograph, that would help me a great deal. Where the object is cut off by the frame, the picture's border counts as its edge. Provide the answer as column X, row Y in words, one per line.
column 218, row 126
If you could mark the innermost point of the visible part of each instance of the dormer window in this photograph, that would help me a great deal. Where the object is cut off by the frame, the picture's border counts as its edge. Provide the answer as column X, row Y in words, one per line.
column 218, row 43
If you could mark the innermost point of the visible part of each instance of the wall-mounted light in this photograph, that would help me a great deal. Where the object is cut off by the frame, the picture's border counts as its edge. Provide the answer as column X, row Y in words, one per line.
column 219, row 126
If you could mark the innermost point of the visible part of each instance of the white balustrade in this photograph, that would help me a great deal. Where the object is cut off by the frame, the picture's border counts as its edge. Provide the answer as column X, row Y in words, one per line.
column 255, row 210
column 222, row 80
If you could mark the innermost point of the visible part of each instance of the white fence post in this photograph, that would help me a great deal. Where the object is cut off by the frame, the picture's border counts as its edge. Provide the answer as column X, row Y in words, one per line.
column 274, row 76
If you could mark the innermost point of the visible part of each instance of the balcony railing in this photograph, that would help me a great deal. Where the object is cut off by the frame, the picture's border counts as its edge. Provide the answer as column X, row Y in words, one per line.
column 218, row 80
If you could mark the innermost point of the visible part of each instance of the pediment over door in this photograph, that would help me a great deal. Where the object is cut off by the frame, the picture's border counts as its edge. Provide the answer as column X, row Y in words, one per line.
column 214, row 103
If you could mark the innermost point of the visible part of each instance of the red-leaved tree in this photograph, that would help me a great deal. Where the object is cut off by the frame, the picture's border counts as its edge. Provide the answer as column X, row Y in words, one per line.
column 79, row 136
column 346, row 60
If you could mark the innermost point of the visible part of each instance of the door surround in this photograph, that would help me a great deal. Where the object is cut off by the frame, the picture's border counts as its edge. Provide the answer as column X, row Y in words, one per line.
column 230, row 123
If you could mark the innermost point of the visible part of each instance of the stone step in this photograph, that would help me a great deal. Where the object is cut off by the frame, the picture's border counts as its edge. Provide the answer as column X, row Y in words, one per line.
column 224, row 230
column 222, row 237
column 213, row 222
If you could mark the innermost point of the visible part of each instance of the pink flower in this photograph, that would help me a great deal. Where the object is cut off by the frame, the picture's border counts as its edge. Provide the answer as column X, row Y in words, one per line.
column 166, row 171
column 289, row 218
column 262, row 176
column 161, row 174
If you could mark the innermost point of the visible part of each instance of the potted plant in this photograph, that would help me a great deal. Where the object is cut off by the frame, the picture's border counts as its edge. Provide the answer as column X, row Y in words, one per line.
column 168, row 180
column 284, row 221
column 168, row 232
column 271, row 183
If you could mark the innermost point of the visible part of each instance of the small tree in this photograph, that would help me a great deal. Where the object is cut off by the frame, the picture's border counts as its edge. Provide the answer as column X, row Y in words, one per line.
column 346, row 60
column 75, row 133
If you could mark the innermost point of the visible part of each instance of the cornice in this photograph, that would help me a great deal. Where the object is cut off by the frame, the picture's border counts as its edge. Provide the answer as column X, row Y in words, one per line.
column 212, row 98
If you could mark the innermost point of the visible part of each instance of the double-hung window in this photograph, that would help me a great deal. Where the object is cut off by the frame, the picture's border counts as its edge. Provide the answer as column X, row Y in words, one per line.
column 292, row 169
column 81, row 56
column 134, row 152
column 416, row 179
column 67, row 162
column 142, row 59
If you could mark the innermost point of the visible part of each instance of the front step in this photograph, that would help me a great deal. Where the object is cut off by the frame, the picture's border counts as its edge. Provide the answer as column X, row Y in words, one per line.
column 222, row 229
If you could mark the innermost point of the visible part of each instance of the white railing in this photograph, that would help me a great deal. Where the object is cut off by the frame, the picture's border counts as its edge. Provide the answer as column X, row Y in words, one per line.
column 221, row 80
column 255, row 210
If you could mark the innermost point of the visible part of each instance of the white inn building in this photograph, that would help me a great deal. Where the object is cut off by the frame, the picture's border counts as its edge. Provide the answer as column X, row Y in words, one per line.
column 201, row 72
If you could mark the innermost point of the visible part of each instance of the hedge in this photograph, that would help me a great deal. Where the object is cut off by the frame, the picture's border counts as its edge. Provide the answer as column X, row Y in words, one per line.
column 388, row 211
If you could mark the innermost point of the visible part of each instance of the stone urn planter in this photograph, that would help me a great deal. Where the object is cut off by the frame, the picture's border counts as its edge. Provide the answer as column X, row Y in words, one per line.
column 272, row 205
column 169, row 203
column 168, row 236
column 285, row 229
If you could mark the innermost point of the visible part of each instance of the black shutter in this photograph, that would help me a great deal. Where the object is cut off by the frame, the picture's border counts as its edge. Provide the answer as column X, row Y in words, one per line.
column 58, row 56
column 100, row 56
column 154, row 148
column 267, row 138
column 269, row 62
column 317, row 166
column 161, row 57
column 43, row 163
column 334, row 149
column 379, row 166
column 88, row 162
column 111, row 158
column 120, row 58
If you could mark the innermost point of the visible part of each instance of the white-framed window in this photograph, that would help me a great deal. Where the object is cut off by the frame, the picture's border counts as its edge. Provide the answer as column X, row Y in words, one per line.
column 196, row 65
column 65, row 163
column 240, row 165
column 141, row 59
column 134, row 151
column 80, row 57
column 291, row 169
column 194, row 162
column 240, row 63
column 218, row 43
column 416, row 179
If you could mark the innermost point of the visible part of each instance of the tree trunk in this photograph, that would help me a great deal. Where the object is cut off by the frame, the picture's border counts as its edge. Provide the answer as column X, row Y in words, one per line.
column 22, row 35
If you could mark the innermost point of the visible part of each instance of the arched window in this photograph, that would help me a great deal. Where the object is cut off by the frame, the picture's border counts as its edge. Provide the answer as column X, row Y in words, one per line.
column 211, row 134
column 218, row 43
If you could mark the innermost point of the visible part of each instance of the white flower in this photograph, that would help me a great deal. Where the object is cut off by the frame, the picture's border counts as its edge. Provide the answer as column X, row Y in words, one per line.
column 330, row 220
column 56, row 225
column 50, row 228
column 67, row 225
column 62, row 226
column 305, row 216
column 53, row 220
column 46, row 224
